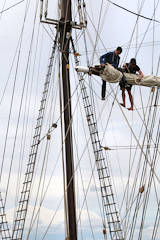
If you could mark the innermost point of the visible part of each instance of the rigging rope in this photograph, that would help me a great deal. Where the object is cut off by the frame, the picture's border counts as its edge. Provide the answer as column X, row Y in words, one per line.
column 36, row 215
column 97, row 33
column 11, row 6
column 147, row 27
column 92, row 91
column 139, row 15
column 48, row 32
column 42, row 173
column 134, row 29
column 85, row 194
column 156, row 175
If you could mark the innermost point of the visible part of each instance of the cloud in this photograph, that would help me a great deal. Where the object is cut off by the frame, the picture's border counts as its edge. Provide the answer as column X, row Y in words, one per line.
column 147, row 232
column 57, row 226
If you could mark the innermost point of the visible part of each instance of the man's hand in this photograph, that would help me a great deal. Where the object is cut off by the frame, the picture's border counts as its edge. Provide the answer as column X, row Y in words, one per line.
column 140, row 75
column 139, row 78
column 102, row 65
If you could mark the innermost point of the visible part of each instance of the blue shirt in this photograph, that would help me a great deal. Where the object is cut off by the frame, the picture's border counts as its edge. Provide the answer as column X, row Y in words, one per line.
column 111, row 58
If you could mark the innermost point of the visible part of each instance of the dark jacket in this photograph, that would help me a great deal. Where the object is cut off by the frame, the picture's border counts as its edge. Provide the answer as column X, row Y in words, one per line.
column 111, row 58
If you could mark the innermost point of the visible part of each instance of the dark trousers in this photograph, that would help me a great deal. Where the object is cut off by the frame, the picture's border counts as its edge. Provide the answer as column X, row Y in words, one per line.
column 103, row 93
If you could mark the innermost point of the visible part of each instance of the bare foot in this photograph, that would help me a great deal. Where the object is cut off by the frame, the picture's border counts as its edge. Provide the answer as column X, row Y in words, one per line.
column 123, row 105
column 130, row 109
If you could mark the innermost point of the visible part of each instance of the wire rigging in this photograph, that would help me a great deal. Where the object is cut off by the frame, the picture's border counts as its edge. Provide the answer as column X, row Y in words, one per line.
column 102, row 215
column 139, row 15
column 14, row 5
column 144, row 124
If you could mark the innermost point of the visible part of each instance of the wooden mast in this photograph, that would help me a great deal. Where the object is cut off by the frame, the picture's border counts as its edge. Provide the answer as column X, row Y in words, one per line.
column 65, row 34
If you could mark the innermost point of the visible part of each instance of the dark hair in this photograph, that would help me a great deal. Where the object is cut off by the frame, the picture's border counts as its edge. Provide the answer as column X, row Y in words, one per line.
column 119, row 49
column 133, row 61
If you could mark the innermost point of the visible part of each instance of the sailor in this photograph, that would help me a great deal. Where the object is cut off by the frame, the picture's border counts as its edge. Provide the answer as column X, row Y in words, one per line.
column 112, row 58
column 130, row 67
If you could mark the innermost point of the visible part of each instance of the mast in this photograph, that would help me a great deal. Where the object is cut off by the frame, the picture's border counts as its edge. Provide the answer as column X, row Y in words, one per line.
column 65, row 34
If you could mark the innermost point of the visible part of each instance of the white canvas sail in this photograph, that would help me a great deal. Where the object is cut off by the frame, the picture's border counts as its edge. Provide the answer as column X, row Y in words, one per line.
column 112, row 75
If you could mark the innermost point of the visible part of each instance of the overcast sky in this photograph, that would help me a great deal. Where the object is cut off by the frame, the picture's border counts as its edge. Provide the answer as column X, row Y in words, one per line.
column 24, row 63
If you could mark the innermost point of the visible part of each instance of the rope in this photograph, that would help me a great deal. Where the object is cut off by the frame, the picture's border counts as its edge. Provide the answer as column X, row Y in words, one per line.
column 131, row 38
column 48, row 32
column 43, row 172
column 11, row 6
column 139, row 15
column 102, row 214
column 97, row 34
column 137, row 140
column 147, row 28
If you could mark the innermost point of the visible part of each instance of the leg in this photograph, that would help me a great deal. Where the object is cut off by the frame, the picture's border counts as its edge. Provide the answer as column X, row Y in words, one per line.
column 94, row 70
column 103, row 93
column 131, row 99
column 122, row 84
column 123, row 97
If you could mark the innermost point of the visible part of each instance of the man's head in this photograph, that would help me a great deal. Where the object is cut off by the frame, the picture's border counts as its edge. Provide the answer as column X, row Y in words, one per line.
column 118, row 50
column 133, row 61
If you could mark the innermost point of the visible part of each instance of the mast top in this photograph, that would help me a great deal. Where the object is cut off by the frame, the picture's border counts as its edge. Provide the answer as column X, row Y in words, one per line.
column 65, row 13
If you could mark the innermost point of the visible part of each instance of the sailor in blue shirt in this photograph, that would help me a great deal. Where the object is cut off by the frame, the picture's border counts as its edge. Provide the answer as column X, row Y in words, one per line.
column 112, row 58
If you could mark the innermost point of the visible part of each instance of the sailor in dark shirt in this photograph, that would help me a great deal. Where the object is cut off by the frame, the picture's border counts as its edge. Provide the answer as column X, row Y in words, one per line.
column 112, row 58
column 130, row 67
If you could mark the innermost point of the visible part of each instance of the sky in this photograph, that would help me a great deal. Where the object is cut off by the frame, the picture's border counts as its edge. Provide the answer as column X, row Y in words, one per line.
column 24, row 61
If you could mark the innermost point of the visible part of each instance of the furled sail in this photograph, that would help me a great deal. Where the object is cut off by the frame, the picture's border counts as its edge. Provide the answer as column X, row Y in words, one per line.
column 112, row 75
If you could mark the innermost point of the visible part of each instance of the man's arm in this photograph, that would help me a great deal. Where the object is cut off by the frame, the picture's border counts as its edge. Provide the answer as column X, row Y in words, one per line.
column 124, row 67
column 140, row 75
column 103, row 59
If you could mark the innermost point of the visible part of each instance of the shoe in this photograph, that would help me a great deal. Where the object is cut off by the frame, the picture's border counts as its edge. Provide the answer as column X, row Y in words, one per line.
column 103, row 98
